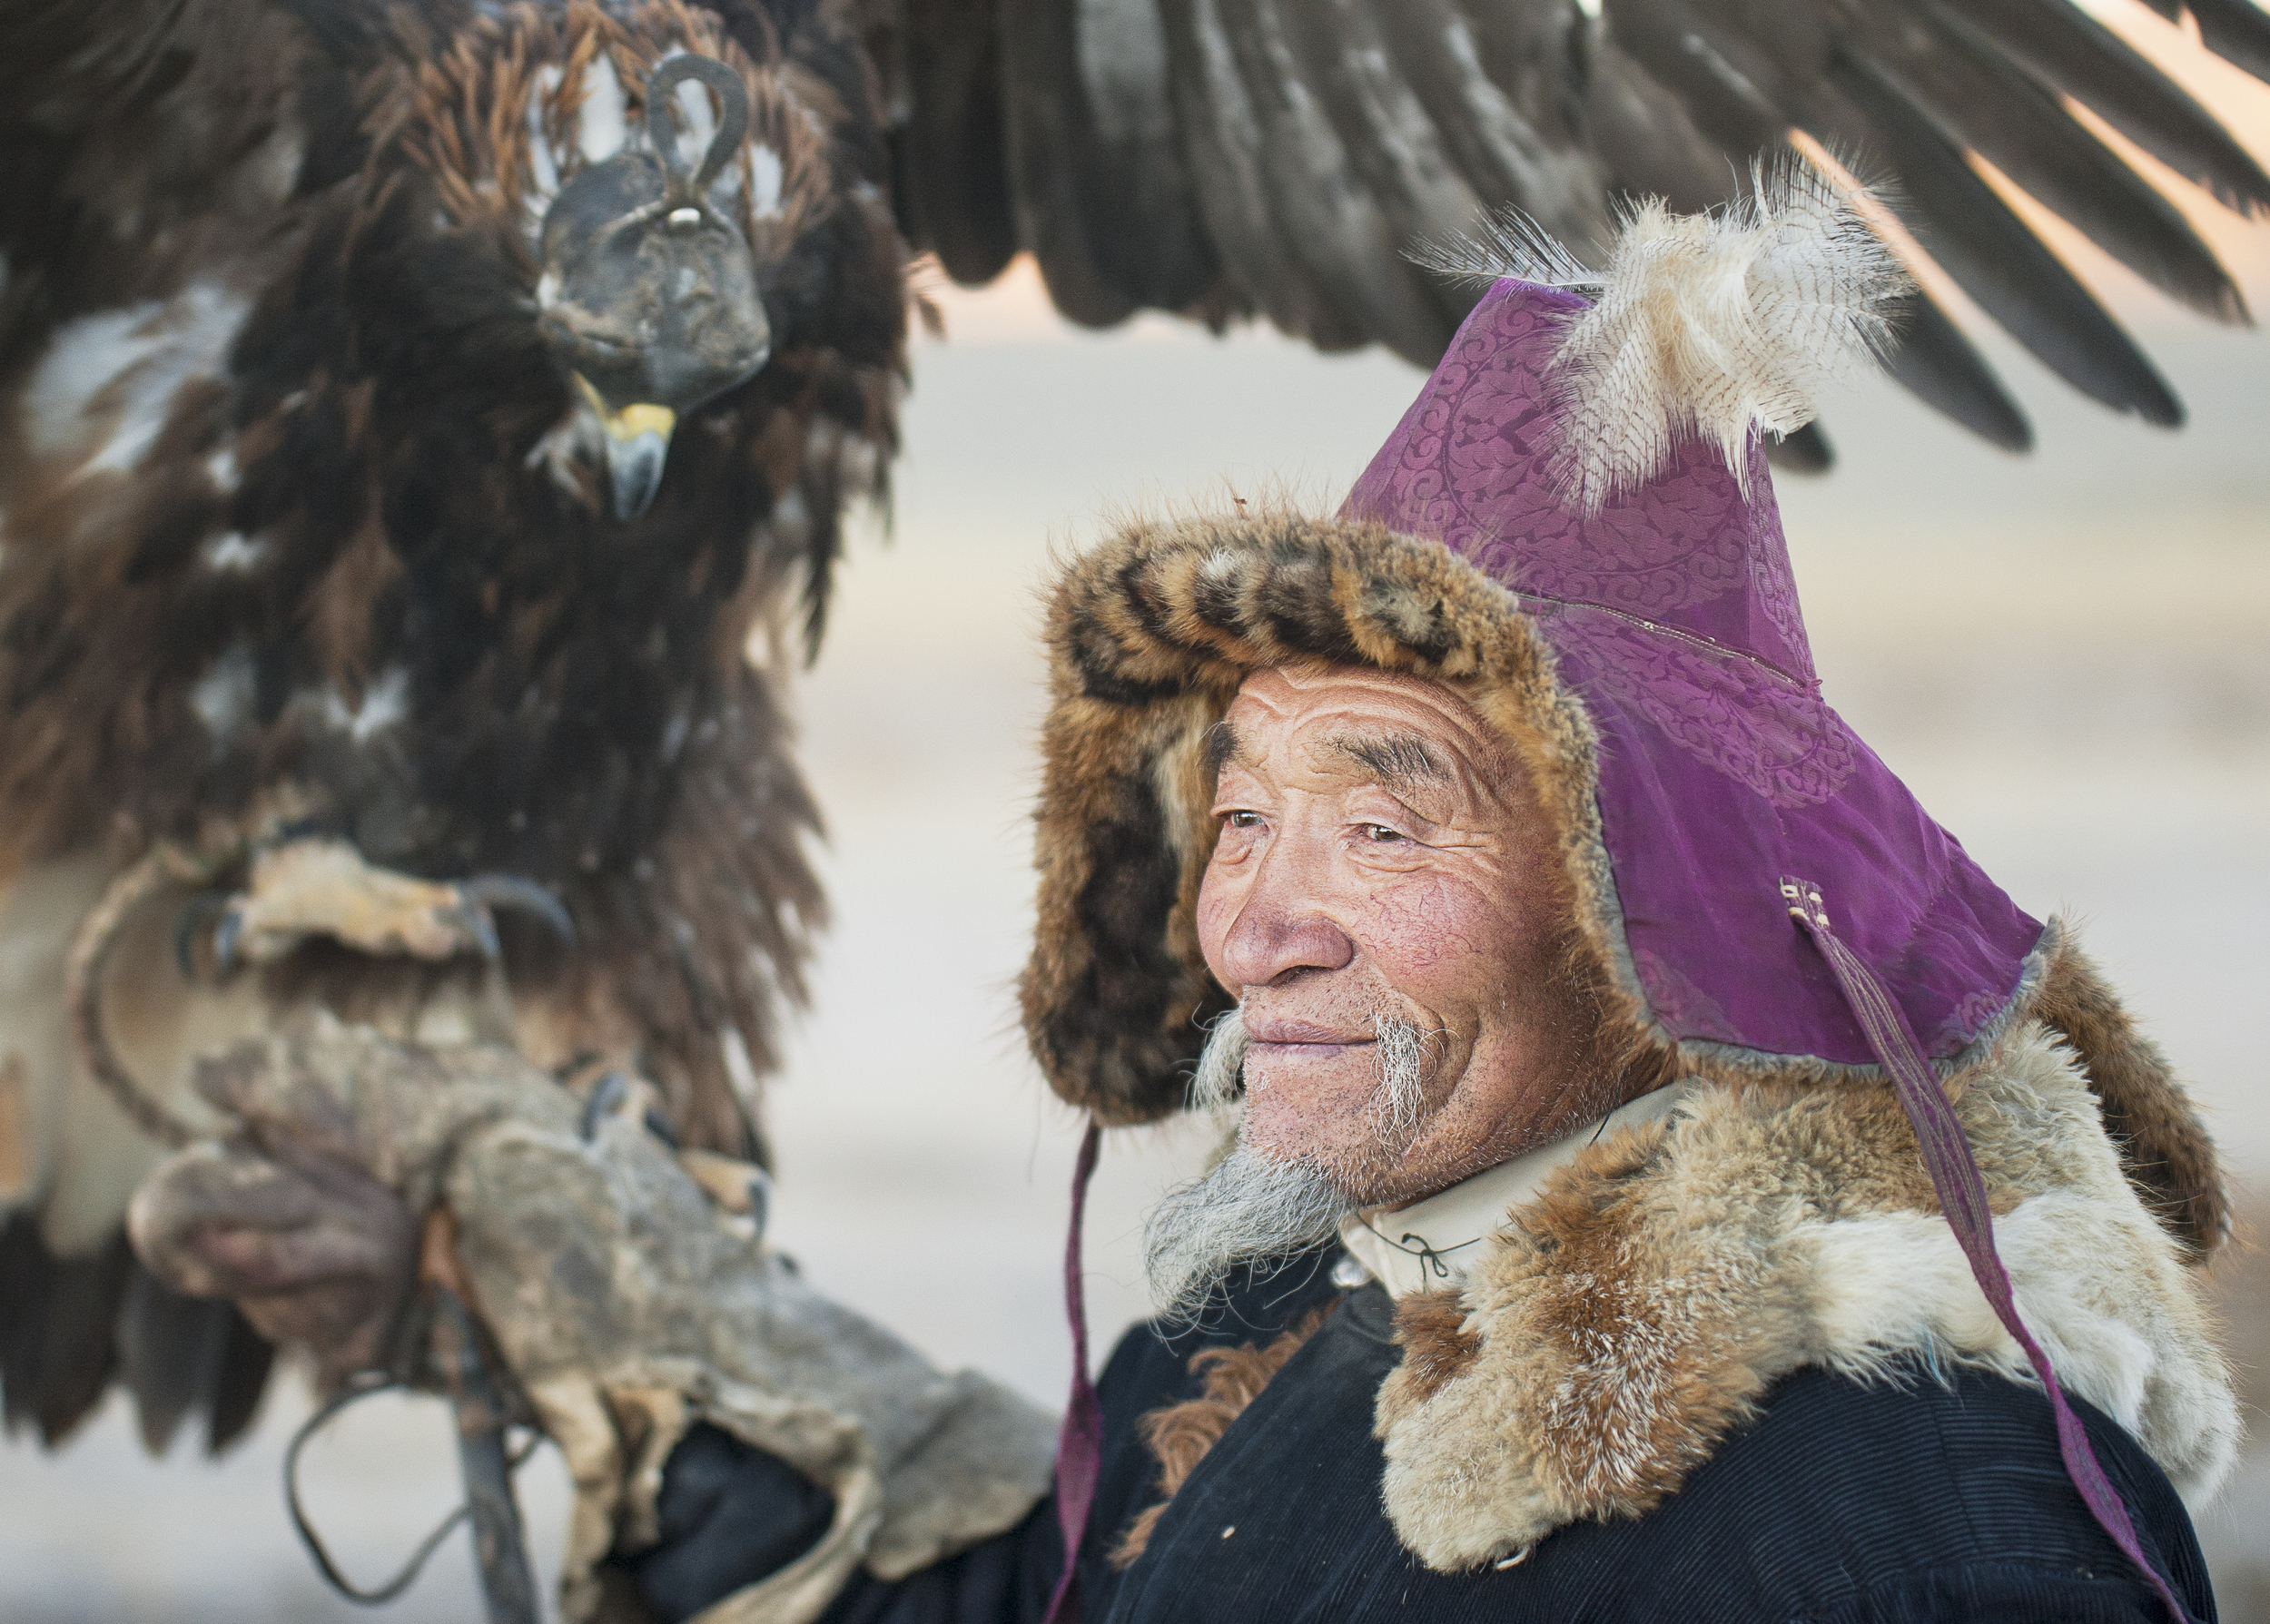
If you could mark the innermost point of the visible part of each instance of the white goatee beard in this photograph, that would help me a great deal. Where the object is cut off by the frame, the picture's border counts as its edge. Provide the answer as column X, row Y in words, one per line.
column 1252, row 1208
column 1402, row 1051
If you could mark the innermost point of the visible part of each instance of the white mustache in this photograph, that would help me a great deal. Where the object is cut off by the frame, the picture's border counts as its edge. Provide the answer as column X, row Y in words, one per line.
column 1401, row 1052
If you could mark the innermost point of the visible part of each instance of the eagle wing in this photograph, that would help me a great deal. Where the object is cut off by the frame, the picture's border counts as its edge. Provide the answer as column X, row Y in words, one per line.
column 151, row 149
column 1222, row 158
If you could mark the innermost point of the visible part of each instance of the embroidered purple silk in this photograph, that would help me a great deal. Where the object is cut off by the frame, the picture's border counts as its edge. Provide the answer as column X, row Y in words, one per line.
column 1674, row 615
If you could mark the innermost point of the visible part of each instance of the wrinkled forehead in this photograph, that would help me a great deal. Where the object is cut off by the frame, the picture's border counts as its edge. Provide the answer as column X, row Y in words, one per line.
column 1358, row 722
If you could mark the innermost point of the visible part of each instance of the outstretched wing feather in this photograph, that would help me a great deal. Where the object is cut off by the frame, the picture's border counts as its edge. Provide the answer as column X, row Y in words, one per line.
column 2239, row 30
column 58, row 1328
column 1966, row 227
column 1470, row 69
column 1317, row 141
column 2003, row 113
column 183, row 1356
column 1222, row 140
column 239, row 1382
column 952, row 156
column 1395, row 152
column 1647, row 141
column 1324, row 211
column 2072, row 51
column 1050, row 162
column 1938, row 365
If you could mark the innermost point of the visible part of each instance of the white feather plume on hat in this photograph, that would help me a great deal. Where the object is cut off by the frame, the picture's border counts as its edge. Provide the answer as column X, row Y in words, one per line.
column 1703, row 324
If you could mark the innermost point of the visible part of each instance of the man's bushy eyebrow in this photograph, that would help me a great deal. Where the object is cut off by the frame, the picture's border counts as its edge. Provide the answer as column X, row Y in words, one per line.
column 1220, row 745
column 1395, row 760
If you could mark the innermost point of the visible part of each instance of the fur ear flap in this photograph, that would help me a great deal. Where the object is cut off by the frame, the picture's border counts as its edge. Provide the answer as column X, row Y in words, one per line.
column 2165, row 1151
column 1703, row 325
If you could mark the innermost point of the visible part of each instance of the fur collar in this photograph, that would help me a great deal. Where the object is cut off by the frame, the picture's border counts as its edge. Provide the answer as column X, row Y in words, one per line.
column 1631, row 1313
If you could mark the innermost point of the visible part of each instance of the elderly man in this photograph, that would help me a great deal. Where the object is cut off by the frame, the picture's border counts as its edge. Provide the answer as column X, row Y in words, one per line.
column 1663, row 1177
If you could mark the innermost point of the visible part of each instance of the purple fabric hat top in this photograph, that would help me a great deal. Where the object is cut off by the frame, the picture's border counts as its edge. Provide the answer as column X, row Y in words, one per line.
column 1673, row 616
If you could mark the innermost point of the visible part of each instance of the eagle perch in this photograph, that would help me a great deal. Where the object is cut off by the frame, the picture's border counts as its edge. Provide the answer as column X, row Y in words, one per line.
column 409, row 413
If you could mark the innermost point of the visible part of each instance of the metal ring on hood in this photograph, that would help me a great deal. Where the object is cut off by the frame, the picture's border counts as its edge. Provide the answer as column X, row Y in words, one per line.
column 733, row 121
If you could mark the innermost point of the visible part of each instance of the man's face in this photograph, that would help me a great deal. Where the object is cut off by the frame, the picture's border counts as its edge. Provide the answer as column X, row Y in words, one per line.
column 1383, row 860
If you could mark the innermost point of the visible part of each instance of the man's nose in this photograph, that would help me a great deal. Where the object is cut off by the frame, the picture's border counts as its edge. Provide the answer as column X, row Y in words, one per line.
column 1278, row 932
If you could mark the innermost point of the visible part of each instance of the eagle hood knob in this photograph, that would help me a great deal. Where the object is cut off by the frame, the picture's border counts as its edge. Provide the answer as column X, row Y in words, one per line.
column 648, row 294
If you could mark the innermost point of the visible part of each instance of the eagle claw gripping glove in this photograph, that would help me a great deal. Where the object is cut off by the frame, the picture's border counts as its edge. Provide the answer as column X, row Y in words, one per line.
column 627, row 1304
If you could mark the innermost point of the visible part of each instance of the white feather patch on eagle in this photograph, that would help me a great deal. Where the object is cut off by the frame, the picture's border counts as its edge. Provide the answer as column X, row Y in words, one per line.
column 602, row 123
column 385, row 702
column 224, row 698
column 1703, row 325
column 115, row 373
column 234, row 552
column 765, row 194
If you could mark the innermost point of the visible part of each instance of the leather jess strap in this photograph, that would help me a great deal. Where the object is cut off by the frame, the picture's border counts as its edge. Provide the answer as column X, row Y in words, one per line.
column 1963, row 1197
column 1079, row 1443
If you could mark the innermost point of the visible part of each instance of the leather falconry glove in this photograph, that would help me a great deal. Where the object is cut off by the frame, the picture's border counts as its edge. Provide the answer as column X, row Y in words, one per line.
column 629, row 1304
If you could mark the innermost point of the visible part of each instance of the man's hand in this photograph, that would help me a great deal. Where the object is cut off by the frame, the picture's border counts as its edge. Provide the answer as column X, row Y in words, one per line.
column 308, row 1218
column 314, row 1250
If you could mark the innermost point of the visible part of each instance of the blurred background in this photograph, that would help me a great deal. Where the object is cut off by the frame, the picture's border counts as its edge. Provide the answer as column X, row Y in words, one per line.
column 2064, row 654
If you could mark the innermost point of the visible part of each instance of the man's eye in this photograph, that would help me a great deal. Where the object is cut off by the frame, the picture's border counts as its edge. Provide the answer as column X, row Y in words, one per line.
column 1241, row 820
column 1381, row 833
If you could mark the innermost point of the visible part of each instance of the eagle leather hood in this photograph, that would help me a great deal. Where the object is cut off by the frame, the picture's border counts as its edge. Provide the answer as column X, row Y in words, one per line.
column 1636, row 641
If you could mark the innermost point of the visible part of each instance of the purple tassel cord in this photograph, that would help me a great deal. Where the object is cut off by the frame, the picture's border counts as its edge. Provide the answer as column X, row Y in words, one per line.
column 1963, row 1197
column 1079, row 1445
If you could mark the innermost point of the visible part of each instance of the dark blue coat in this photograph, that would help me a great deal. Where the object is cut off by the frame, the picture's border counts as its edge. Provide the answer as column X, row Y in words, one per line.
column 1843, row 1504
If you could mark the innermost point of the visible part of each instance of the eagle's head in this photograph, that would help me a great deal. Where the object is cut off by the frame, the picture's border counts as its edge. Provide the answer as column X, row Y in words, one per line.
column 649, row 295
column 644, row 176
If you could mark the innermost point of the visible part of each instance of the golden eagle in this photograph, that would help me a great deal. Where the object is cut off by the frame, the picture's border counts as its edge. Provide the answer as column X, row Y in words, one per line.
column 409, row 410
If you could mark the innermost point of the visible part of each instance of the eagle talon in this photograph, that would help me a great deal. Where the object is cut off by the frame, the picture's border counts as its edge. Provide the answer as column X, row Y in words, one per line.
column 489, row 892
column 225, row 932
column 473, row 922
column 205, row 910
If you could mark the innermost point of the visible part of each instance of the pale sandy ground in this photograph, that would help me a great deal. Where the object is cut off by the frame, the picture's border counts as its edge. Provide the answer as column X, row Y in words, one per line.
column 2065, row 655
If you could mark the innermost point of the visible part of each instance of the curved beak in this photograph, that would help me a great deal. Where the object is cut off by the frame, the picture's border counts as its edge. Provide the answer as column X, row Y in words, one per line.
column 638, row 449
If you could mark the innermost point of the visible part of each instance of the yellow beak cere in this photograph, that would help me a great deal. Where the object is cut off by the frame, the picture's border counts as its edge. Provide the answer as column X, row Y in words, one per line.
column 638, row 449
column 632, row 421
